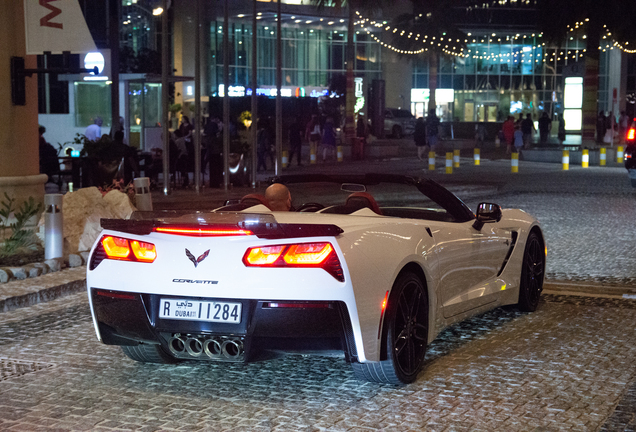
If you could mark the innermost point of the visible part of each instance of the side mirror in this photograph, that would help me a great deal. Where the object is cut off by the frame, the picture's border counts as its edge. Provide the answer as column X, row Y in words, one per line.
column 487, row 213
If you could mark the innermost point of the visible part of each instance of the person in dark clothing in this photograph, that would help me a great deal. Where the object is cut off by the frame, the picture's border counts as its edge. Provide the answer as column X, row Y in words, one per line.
column 545, row 124
column 213, row 152
column 129, row 157
column 263, row 143
column 49, row 163
column 419, row 136
column 528, row 129
column 601, row 127
column 295, row 140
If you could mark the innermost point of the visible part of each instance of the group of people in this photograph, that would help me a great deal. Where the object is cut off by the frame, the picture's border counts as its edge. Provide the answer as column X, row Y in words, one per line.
column 314, row 132
column 604, row 129
column 519, row 133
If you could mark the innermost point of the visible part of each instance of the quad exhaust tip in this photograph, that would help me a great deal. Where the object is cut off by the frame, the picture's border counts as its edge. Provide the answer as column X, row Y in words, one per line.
column 205, row 346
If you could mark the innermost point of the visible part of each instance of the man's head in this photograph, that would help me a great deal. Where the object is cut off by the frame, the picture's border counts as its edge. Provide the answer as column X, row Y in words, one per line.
column 279, row 197
column 98, row 121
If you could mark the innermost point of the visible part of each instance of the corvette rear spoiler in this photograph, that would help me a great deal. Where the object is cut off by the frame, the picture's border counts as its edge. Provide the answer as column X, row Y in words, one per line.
column 262, row 229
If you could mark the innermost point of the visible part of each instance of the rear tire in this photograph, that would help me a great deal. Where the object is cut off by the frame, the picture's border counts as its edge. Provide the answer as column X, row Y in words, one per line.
column 532, row 272
column 406, row 336
column 148, row 353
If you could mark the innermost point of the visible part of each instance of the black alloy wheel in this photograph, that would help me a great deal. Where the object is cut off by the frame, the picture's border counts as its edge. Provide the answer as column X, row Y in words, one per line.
column 532, row 272
column 406, row 334
column 407, row 321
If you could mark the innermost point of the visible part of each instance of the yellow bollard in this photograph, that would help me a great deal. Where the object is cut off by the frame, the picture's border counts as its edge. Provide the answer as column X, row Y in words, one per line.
column 619, row 154
column 449, row 163
column 585, row 159
column 285, row 159
column 312, row 153
column 566, row 160
column 477, row 157
column 514, row 162
column 603, row 157
column 339, row 152
column 456, row 158
column 431, row 161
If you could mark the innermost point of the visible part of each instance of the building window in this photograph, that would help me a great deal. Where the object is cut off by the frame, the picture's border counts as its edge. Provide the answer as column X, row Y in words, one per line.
column 92, row 100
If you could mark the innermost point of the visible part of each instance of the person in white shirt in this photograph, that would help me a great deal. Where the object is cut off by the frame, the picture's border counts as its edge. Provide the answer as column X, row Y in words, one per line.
column 94, row 131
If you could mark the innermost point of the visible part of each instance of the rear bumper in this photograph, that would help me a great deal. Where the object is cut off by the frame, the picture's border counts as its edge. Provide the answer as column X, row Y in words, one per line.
column 124, row 318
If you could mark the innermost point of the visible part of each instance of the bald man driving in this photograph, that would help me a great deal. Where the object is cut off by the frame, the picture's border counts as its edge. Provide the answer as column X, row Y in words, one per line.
column 279, row 197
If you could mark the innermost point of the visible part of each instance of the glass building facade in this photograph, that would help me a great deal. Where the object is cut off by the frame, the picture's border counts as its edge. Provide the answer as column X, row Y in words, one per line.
column 311, row 57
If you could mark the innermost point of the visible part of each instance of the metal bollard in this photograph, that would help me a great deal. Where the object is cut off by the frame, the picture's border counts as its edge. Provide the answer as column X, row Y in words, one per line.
column 312, row 153
column 566, row 160
column 285, row 159
column 143, row 197
column 603, row 157
column 53, row 226
column 477, row 156
column 585, row 159
column 514, row 162
column 431, row 161
column 339, row 153
column 619, row 154
column 456, row 158
column 449, row 163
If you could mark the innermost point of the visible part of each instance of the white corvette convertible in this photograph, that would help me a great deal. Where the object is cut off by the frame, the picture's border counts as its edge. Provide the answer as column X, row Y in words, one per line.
column 374, row 268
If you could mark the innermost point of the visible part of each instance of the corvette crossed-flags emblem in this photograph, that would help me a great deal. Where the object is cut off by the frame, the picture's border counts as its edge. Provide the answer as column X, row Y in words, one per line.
column 194, row 260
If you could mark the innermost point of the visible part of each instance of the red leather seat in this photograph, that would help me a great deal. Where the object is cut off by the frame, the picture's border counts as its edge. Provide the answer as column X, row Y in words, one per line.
column 362, row 200
column 255, row 199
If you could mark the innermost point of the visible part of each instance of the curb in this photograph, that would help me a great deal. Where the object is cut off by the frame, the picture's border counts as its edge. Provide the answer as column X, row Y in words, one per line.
column 589, row 289
column 44, row 295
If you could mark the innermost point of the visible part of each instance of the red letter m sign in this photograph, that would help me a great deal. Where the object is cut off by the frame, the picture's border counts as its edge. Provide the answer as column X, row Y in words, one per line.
column 46, row 21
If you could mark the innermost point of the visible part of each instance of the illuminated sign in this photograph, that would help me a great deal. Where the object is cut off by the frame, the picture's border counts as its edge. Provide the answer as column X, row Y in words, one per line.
column 239, row 91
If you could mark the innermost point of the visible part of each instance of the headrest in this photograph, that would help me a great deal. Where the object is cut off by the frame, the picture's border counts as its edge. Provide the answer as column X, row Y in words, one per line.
column 361, row 200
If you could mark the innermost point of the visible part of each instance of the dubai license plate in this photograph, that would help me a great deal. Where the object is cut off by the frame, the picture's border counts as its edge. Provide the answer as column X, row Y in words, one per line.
column 193, row 310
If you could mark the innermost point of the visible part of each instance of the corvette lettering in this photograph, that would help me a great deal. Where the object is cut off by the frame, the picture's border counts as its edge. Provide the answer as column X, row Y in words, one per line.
column 195, row 281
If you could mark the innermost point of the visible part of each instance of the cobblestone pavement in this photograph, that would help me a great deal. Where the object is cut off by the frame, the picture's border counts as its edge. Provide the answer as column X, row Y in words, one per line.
column 567, row 366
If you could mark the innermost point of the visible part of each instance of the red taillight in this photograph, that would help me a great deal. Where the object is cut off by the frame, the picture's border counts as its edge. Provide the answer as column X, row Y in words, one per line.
column 203, row 232
column 321, row 255
column 630, row 134
column 128, row 250
column 307, row 254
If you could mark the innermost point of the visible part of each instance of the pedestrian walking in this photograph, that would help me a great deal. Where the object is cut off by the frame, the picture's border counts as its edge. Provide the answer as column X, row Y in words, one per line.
column 601, row 127
column 528, row 129
column 518, row 138
column 419, row 136
column 49, row 163
column 508, row 132
column 263, row 142
column 313, row 134
column 432, row 130
column 623, row 125
column 480, row 134
column 295, row 141
column 328, row 140
column 545, row 125
column 561, row 130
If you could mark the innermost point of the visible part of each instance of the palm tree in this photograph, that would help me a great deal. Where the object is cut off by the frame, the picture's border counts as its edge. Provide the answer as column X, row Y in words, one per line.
column 556, row 15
